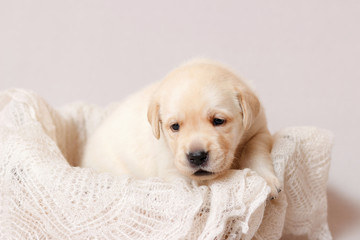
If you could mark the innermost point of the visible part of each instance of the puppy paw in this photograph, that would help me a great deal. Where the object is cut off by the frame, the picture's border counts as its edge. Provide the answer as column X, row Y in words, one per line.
column 274, row 184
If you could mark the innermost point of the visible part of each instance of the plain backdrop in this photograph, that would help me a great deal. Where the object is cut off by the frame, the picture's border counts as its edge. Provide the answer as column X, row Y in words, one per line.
column 302, row 56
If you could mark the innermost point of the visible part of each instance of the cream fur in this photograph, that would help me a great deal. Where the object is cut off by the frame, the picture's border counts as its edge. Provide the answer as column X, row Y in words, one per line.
column 191, row 96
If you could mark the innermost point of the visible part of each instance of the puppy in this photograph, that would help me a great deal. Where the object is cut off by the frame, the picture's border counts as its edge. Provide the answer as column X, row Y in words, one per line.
column 203, row 120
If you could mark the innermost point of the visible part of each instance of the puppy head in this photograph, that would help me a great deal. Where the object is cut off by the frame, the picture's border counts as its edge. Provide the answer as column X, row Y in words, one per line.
column 202, row 110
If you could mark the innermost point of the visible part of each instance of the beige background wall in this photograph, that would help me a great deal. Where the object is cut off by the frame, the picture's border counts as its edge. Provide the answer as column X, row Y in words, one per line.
column 303, row 57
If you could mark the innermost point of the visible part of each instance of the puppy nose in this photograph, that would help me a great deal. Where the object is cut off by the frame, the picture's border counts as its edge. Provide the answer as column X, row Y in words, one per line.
column 197, row 158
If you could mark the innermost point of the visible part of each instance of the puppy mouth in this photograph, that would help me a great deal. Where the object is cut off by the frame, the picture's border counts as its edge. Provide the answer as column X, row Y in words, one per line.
column 201, row 173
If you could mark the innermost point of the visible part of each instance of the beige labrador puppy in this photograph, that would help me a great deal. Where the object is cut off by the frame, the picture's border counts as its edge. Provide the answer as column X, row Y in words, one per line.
column 203, row 120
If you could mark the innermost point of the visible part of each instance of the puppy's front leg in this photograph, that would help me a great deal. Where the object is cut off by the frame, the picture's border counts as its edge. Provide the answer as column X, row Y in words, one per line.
column 256, row 156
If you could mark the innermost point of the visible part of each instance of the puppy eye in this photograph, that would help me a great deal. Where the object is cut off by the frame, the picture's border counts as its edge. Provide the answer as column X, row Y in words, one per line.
column 218, row 121
column 175, row 127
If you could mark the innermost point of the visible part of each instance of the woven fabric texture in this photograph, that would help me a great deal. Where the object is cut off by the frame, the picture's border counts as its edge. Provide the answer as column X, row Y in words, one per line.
column 42, row 196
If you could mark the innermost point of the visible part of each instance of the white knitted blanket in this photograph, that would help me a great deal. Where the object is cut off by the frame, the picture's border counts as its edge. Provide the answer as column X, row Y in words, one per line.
column 43, row 197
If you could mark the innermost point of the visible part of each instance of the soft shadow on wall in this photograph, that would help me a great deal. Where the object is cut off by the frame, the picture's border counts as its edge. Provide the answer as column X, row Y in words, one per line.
column 343, row 213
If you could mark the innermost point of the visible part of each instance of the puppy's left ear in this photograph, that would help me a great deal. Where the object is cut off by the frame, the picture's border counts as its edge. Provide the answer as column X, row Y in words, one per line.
column 250, row 106
column 154, row 117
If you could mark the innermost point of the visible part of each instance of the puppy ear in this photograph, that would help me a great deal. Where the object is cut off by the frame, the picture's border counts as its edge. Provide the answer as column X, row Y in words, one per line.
column 250, row 106
column 154, row 118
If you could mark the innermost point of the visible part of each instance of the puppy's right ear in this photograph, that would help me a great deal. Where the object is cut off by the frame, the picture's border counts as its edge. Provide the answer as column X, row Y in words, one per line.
column 154, row 118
